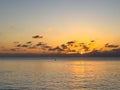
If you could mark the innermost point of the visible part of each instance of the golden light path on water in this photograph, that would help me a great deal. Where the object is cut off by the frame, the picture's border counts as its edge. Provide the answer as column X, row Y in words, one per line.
column 62, row 74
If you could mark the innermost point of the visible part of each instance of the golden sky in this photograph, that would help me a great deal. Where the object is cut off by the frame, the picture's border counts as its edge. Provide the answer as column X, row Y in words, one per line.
column 59, row 21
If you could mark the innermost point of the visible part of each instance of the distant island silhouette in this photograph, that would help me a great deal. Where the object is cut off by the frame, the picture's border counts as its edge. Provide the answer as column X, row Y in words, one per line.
column 112, row 53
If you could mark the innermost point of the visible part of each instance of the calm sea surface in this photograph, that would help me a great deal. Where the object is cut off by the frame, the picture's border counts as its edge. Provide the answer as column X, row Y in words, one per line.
column 60, row 74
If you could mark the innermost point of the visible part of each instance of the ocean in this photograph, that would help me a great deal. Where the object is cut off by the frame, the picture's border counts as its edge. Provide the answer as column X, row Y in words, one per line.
column 60, row 73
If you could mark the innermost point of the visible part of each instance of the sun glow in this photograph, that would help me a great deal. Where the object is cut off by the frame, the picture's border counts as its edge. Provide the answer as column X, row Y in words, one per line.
column 81, row 52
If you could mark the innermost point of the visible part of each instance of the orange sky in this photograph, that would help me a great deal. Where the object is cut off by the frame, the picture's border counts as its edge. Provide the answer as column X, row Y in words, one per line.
column 59, row 22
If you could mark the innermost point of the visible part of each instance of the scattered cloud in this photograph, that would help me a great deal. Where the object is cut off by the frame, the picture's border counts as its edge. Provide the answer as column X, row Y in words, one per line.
column 92, row 41
column 37, row 36
column 111, row 45
column 64, row 46
column 71, row 43
column 81, row 43
column 13, row 49
column 39, row 44
column 32, row 47
column 19, row 45
column 47, row 47
column 71, row 46
column 116, row 50
column 86, row 48
column 29, row 42
column 24, row 46
column 57, row 48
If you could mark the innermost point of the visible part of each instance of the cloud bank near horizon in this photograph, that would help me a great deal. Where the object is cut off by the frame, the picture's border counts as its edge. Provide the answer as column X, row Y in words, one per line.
column 70, row 47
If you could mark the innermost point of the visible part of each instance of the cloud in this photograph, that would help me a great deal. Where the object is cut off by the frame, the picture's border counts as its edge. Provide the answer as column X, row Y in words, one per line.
column 70, row 47
column 19, row 45
column 32, row 47
column 39, row 44
column 13, row 49
column 64, row 46
column 116, row 50
column 111, row 45
column 86, row 48
column 29, row 42
column 92, row 41
column 24, row 45
column 81, row 43
column 70, row 43
column 57, row 48
column 111, row 53
column 72, row 51
column 47, row 47
column 37, row 36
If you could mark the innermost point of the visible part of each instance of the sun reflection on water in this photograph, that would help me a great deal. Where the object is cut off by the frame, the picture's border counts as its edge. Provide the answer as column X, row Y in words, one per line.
column 59, row 74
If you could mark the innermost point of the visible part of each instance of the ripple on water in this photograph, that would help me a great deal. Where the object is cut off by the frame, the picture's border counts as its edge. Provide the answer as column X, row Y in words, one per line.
column 60, row 75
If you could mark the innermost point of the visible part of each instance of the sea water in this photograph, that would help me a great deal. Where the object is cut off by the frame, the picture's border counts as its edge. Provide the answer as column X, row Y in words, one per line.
column 59, row 74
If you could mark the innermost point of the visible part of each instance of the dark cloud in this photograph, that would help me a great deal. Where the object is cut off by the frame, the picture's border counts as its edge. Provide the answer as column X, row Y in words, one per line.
column 42, row 45
column 50, row 49
column 32, row 47
column 81, row 43
column 111, row 53
column 70, row 43
column 37, row 36
column 19, row 45
column 47, row 47
column 76, row 46
column 86, row 48
column 72, row 51
column 57, row 48
column 39, row 44
column 43, row 48
column 116, row 50
column 92, row 41
column 29, row 42
column 64, row 46
column 24, row 45
column 72, row 47
column 13, row 49
column 111, row 45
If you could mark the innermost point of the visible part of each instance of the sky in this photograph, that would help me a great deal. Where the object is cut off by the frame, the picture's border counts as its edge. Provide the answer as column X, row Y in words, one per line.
column 59, row 21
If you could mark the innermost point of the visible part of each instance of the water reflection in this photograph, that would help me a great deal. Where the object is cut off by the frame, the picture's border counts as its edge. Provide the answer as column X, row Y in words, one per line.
column 81, row 74
column 92, row 74
column 59, row 75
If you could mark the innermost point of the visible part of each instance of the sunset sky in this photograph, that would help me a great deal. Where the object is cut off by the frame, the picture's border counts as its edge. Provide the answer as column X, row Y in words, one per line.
column 59, row 21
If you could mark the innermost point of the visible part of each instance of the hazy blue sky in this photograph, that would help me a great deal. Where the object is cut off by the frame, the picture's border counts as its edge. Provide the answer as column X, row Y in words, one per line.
column 60, row 20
